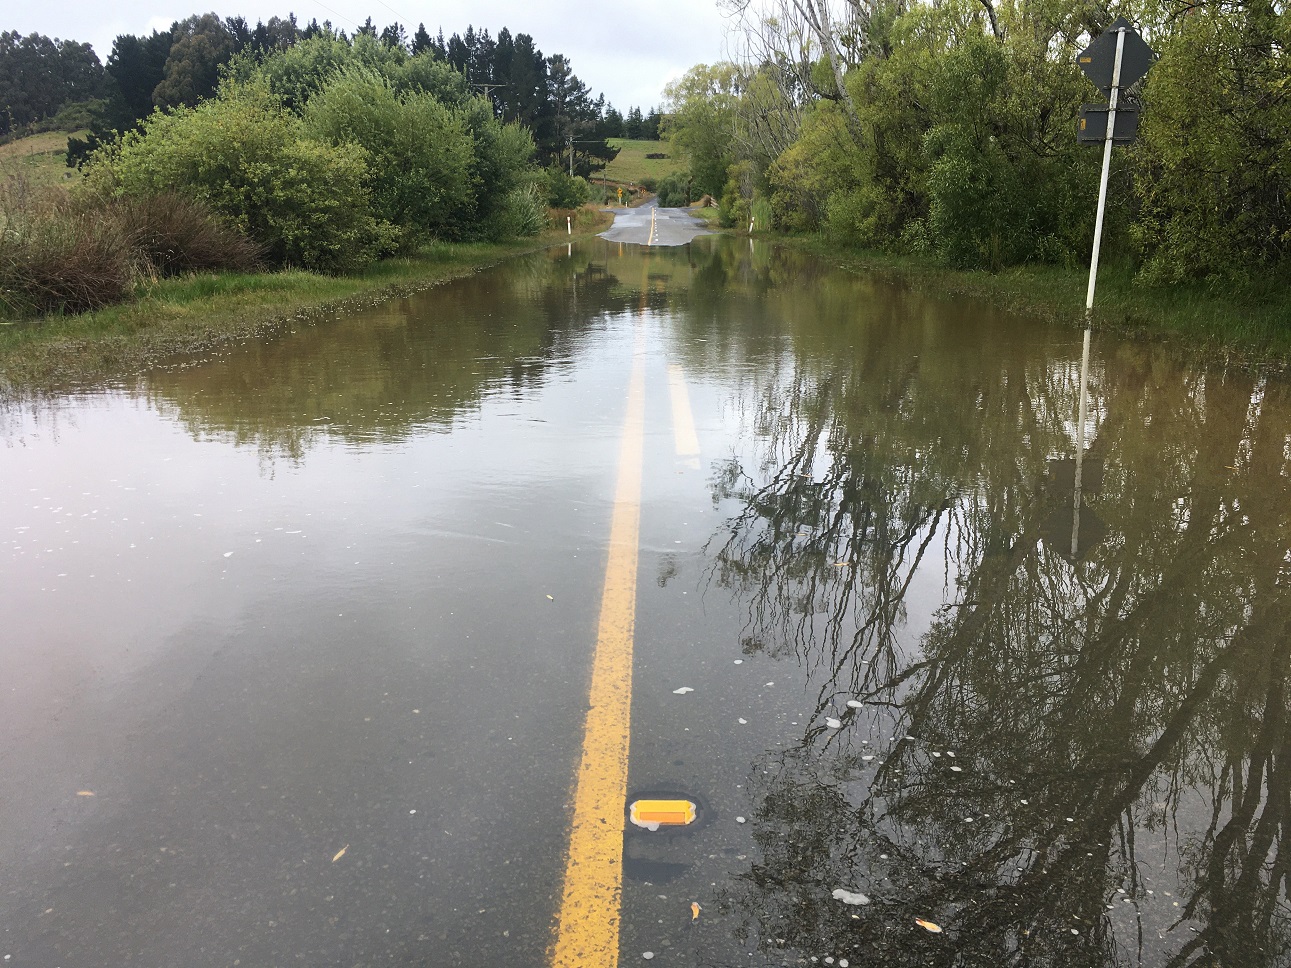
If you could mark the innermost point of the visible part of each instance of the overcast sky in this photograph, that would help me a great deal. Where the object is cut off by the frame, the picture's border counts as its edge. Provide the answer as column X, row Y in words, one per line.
column 625, row 49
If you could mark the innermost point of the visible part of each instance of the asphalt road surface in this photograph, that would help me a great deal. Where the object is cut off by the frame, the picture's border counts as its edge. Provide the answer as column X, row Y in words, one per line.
column 652, row 225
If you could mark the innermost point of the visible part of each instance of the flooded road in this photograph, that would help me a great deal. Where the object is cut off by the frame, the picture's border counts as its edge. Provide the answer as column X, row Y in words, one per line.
column 298, row 641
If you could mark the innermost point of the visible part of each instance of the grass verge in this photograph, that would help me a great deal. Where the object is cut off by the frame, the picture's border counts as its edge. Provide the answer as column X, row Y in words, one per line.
column 198, row 314
column 1250, row 325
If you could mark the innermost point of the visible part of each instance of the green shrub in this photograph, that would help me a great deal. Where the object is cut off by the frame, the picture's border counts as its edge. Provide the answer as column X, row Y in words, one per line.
column 564, row 191
column 419, row 155
column 502, row 164
column 674, row 190
column 307, row 203
column 523, row 213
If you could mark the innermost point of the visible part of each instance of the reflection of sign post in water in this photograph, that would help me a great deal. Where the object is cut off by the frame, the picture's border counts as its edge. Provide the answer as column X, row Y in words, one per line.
column 1072, row 531
column 1117, row 58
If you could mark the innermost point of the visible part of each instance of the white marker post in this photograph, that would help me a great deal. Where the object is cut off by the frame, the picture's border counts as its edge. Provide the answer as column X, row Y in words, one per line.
column 1107, row 167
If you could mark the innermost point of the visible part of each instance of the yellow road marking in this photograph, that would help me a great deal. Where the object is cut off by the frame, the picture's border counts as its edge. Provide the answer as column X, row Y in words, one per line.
column 683, row 421
column 587, row 930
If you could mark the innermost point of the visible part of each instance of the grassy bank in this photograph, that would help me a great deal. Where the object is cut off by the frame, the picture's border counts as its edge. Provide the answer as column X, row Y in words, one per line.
column 1249, row 325
column 202, row 313
column 39, row 159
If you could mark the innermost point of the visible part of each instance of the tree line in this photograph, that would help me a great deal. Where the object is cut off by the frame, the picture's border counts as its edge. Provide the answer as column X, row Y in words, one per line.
column 183, row 65
column 948, row 129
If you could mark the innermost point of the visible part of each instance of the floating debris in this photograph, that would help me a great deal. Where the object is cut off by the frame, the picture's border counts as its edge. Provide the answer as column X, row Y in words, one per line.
column 694, row 910
column 928, row 925
column 855, row 703
column 228, row 554
column 850, row 897
column 738, row 661
column 743, row 722
column 682, row 691
column 956, row 769
column 740, row 820
column 340, row 853
column 85, row 793
column 833, row 723
column 647, row 955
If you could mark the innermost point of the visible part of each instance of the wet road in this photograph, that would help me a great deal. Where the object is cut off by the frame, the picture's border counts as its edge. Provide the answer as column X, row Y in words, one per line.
column 300, row 642
column 651, row 225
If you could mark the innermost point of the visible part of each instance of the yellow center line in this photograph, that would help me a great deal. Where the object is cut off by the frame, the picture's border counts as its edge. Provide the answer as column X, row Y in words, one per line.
column 683, row 421
column 587, row 929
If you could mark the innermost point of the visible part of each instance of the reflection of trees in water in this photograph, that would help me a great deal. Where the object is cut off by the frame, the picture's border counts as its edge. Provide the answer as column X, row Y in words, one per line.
column 1140, row 691
column 411, row 365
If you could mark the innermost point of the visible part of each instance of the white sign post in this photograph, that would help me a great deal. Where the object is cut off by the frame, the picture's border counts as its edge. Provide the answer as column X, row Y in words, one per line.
column 1093, row 61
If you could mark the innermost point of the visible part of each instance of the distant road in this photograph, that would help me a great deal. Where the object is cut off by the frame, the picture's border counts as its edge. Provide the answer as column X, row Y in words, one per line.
column 652, row 225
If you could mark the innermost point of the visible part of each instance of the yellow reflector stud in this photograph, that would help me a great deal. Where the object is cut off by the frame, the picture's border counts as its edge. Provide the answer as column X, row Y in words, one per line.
column 653, row 814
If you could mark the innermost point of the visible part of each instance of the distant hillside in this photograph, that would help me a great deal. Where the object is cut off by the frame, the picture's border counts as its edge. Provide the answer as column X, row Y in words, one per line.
column 631, row 166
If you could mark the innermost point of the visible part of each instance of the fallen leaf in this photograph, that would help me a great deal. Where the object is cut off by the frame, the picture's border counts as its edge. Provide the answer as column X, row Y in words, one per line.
column 85, row 793
column 928, row 925
column 340, row 853
column 694, row 911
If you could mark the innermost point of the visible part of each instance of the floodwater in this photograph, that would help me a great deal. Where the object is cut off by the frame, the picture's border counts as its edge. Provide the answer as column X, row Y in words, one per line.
column 297, row 640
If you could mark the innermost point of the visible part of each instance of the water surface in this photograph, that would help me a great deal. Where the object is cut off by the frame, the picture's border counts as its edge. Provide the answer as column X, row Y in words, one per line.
column 340, row 590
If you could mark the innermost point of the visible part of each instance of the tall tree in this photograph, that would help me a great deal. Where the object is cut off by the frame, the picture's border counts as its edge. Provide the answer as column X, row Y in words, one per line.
column 421, row 41
column 200, row 46
column 135, row 67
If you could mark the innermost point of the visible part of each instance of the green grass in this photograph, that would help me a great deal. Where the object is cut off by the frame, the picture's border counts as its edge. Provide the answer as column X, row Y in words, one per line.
column 632, row 166
column 1251, row 324
column 202, row 313
column 40, row 159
